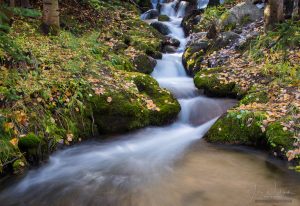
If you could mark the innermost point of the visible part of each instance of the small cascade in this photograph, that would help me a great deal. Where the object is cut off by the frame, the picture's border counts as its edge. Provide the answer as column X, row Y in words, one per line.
column 202, row 4
column 182, row 9
column 154, row 3
column 169, row 9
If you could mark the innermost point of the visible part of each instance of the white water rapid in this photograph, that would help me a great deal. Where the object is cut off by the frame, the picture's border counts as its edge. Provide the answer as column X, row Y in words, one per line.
column 140, row 168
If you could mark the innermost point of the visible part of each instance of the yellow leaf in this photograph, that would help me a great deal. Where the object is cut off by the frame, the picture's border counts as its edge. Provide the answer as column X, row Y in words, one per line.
column 8, row 126
column 70, row 137
column 14, row 141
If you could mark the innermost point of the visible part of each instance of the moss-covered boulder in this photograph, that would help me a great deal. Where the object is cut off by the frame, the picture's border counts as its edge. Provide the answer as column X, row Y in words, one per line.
column 208, row 81
column 192, row 59
column 163, row 18
column 255, row 96
column 238, row 127
column 240, row 14
column 33, row 146
column 144, row 64
column 249, row 128
column 279, row 138
column 148, row 104
column 164, row 108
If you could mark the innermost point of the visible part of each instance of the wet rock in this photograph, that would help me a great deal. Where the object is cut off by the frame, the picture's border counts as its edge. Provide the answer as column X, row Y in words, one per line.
column 162, row 28
column 240, row 14
column 150, row 14
column 154, row 54
column 163, row 18
column 190, row 20
column 144, row 63
column 169, row 49
column 171, row 41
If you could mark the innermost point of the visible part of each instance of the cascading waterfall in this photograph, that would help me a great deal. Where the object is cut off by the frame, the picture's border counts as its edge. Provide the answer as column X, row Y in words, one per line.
column 169, row 9
column 154, row 3
column 181, row 9
column 202, row 4
column 133, row 169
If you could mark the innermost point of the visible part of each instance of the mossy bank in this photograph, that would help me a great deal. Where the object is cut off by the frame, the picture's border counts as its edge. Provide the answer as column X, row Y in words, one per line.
column 84, row 82
column 231, row 56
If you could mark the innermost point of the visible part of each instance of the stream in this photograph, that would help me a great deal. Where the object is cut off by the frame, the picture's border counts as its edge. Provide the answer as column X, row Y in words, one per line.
column 161, row 166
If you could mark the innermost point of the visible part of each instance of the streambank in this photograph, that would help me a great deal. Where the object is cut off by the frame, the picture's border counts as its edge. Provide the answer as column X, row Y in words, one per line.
column 232, row 57
column 91, row 79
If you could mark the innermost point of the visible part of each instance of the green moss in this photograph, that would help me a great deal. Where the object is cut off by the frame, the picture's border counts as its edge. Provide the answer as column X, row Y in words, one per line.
column 30, row 141
column 259, row 97
column 230, row 26
column 119, row 115
column 125, row 112
column 18, row 166
column 7, row 151
column 163, row 18
column 192, row 60
column 278, row 137
column 209, row 82
column 210, row 16
column 243, row 127
column 167, row 106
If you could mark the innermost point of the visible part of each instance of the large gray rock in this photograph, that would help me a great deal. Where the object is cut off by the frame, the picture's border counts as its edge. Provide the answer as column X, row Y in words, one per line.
column 242, row 13
column 224, row 39
column 196, row 38
column 162, row 28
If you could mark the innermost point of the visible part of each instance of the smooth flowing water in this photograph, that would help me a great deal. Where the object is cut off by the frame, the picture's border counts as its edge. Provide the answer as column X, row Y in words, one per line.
column 160, row 166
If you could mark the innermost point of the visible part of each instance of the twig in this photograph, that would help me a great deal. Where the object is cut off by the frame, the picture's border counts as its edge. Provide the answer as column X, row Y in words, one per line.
column 11, row 161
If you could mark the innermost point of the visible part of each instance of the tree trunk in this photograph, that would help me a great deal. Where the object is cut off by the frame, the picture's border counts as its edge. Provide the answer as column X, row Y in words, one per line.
column 25, row 4
column 12, row 3
column 273, row 13
column 50, row 16
column 296, row 9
